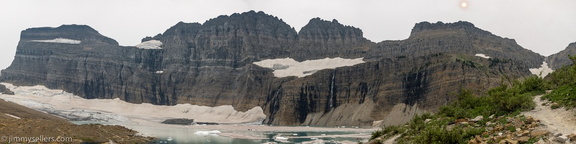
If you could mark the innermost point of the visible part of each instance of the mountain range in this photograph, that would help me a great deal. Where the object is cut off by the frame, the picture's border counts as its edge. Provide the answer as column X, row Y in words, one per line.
column 214, row 64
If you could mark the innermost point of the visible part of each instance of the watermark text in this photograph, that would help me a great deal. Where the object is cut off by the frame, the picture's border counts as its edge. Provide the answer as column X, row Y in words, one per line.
column 38, row 139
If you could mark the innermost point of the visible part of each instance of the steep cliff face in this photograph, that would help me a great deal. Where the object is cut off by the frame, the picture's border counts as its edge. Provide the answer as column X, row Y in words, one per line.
column 78, row 59
column 363, row 93
column 561, row 58
column 212, row 64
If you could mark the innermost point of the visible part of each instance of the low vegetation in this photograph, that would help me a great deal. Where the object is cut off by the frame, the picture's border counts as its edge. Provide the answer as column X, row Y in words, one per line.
column 563, row 85
column 490, row 118
column 497, row 108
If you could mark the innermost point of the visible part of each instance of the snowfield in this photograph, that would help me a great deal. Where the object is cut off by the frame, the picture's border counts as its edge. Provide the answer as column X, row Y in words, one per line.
column 482, row 56
column 151, row 44
column 59, row 40
column 285, row 67
column 77, row 108
column 543, row 71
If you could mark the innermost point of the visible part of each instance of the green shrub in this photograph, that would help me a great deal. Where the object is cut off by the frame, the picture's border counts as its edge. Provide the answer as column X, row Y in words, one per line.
column 502, row 100
column 440, row 134
column 563, row 85
column 387, row 132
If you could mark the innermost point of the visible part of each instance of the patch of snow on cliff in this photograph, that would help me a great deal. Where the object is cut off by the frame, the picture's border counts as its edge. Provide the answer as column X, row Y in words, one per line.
column 151, row 44
column 60, row 40
column 13, row 116
column 285, row 67
column 482, row 56
column 74, row 107
column 543, row 71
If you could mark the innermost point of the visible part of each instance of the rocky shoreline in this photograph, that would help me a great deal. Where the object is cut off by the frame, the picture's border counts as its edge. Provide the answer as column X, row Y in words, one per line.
column 19, row 121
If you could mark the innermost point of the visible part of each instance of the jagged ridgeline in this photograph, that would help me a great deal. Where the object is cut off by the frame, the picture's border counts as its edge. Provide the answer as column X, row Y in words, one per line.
column 562, row 58
column 213, row 64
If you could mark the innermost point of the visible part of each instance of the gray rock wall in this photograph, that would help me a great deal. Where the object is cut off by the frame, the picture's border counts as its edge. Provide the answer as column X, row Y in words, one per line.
column 211, row 64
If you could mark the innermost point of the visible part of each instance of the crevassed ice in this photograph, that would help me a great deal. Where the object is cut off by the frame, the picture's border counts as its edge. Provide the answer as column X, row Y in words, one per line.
column 284, row 67
column 63, row 103
column 59, row 40
column 482, row 56
column 151, row 44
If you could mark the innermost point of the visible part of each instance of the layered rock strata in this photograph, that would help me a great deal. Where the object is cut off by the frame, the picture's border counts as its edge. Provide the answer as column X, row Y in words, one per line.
column 212, row 64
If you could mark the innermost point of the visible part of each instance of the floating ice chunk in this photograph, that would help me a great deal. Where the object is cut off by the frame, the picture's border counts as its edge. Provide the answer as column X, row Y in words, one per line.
column 543, row 71
column 482, row 56
column 59, row 40
column 281, row 138
column 284, row 67
column 151, row 44
column 207, row 132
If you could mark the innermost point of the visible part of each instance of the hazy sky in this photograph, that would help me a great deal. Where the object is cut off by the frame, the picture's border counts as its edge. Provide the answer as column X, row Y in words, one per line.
column 543, row 26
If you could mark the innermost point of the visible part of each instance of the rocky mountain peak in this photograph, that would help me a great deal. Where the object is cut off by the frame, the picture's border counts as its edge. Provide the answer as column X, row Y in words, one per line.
column 561, row 58
column 181, row 28
column 83, row 33
column 425, row 27
column 442, row 25
column 250, row 19
column 323, row 29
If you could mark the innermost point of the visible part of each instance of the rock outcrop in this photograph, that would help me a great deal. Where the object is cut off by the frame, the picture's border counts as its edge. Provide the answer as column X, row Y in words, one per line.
column 211, row 64
column 562, row 58
column 4, row 90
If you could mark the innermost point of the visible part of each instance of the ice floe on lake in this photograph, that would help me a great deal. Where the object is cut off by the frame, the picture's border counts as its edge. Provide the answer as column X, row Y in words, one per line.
column 213, row 132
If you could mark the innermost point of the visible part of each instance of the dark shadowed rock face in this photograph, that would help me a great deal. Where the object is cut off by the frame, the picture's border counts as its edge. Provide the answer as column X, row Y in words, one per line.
column 4, row 90
column 561, row 58
column 211, row 64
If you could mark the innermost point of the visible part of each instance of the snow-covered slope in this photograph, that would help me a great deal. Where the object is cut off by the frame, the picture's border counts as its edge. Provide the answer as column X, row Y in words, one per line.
column 285, row 67
column 543, row 71
column 151, row 44
column 59, row 40
column 482, row 56
column 115, row 110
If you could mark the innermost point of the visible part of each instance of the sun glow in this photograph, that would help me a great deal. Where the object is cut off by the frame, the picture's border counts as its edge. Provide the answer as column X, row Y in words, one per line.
column 464, row 4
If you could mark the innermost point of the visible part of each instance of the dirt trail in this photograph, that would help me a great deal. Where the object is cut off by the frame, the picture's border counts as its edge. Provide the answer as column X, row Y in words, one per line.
column 556, row 120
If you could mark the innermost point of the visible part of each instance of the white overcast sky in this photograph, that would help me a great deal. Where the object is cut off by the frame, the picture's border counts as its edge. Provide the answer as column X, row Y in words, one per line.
column 543, row 26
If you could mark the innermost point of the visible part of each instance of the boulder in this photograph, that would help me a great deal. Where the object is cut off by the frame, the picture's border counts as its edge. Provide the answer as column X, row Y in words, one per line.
column 560, row 139
column 4, row 90
column 572, row 137
column 537, row 133
column 523, row 139
column 476, row 119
